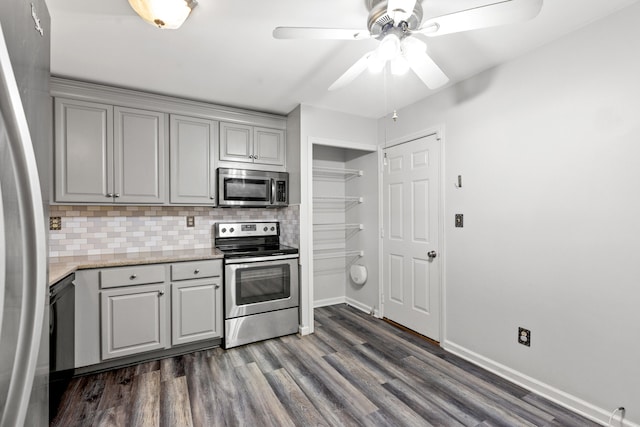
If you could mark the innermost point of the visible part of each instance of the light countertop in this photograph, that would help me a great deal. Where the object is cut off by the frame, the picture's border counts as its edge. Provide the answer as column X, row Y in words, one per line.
column 63, row 266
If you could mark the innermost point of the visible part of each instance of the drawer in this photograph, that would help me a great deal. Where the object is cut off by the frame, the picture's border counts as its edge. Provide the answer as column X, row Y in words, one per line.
column 196, row 269
column 130, row 276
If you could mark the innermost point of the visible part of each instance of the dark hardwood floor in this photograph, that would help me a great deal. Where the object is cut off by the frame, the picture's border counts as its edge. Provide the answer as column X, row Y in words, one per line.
column 354, row 371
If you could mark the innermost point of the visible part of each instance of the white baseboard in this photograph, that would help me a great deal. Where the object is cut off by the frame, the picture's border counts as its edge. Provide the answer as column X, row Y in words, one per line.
column 304, row 330
column 358, row 305
column 555, row 395
column 329, row 301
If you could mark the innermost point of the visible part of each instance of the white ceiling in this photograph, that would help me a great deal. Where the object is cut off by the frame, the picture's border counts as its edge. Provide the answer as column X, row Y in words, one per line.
column 225, row 53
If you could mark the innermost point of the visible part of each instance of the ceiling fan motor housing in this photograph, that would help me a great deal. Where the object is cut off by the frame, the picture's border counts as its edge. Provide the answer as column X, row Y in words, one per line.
column 380, row 23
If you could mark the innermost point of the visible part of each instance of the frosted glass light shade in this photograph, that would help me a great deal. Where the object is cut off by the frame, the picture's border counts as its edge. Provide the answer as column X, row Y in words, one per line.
column 399, row 66
column 413, row 50
column 389, row 47
column 165, row 14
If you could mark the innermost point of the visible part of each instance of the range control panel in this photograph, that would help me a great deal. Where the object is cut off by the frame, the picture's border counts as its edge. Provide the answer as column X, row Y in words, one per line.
column 247, row 229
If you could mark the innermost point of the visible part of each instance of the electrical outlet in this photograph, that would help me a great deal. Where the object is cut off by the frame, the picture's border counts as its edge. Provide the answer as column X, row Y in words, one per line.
column 55, row 223
column 459, row 221
column 191, row 221
column 524, row 337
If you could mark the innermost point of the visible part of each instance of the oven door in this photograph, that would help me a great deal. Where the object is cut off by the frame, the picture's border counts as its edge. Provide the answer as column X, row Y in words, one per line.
column 259, row 285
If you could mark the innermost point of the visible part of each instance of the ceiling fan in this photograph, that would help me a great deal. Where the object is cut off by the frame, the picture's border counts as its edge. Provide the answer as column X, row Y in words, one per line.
column 395, row 23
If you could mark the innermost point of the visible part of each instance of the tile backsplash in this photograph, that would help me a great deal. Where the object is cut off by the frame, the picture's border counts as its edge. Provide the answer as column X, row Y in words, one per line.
column 94, row 230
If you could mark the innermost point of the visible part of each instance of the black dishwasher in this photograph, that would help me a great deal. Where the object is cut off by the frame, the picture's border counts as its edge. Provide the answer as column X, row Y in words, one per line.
column 61, row 339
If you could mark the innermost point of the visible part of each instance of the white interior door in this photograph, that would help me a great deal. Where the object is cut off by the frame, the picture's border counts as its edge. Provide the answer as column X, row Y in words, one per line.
column 411, row 242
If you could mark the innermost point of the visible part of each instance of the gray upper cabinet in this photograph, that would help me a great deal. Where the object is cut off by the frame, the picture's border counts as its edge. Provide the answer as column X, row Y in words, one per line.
column 268, row 146
column 106, row 154
column 122, row 146
column 192, row 160
column 83, row 151
column 140, row 148
column 249, row 144
column 236, row 143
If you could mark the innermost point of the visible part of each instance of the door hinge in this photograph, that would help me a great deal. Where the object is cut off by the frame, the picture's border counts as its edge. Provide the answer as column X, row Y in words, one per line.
column 382, row 298
column 382, row 233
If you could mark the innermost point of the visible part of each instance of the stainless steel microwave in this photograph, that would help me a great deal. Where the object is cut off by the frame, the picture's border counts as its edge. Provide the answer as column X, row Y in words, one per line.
column 252, row 188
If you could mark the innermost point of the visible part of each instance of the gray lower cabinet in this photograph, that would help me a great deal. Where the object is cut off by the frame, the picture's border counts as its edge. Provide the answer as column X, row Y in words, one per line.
column 192, row 318
column 133, row 320
column 106, row 154
column 126, row 311
column 192, row 145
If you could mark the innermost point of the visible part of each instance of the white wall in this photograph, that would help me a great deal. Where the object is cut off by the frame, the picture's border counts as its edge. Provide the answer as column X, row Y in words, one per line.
column 549, row 148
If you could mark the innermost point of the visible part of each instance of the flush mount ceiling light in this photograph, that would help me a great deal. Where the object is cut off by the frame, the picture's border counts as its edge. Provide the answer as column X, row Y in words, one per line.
column 397, row 24
column 165, row 14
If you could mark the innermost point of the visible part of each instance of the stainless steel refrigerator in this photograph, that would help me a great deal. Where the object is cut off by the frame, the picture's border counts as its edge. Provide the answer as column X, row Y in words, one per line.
column 25, row 140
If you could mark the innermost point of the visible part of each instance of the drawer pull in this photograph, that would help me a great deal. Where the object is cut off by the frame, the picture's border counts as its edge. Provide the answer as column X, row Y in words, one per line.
column 197, row 271
column 160, row 293
column 133, row 277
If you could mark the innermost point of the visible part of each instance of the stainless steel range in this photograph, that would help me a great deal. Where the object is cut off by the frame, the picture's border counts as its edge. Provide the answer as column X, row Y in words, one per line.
column 261, row 284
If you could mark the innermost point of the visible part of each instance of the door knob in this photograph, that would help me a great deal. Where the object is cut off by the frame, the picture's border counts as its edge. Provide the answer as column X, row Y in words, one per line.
column 432, row 254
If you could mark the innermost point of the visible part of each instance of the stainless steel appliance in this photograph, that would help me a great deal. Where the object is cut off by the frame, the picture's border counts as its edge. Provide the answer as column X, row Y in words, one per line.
column 252, row 188
column 261, row 286
column 25, row 138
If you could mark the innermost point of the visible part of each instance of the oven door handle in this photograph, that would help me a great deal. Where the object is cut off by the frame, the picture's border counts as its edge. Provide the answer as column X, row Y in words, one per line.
column 260, row 259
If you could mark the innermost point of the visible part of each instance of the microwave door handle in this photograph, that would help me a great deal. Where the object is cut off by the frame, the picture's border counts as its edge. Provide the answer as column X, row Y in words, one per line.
column 273, row 190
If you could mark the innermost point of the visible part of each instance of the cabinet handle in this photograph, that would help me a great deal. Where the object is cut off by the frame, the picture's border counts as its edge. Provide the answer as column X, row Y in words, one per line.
column 160, row 293
column 133, row 277
column 116, row 195
column 216, row 287
column 109, row 195
column 197, row 271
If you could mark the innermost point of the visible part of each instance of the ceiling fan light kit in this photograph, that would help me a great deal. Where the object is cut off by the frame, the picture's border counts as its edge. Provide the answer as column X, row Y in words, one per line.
column 396, row 22
column 164, row 14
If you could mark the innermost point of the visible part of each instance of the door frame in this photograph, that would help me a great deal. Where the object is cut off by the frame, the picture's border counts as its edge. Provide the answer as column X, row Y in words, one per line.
column 307, row 322
column 439, row 131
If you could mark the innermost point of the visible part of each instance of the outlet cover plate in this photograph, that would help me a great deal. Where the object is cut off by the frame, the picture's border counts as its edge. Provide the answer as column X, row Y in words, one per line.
column 191, row 221
column 524, row 337
column 55, row 223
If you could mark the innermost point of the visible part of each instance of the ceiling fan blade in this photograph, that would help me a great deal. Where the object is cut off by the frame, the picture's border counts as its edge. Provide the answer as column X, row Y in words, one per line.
column 354, row 71
column 320, row 33
column 400, row 10
column 428, row 71
column 490, row 15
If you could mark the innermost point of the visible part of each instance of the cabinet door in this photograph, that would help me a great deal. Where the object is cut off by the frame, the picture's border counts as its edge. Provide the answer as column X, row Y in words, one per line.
column 192, row 146
column 83, row 151
column 140, row 148
column 236, row 143
column 269, row 146
column 133, row 320
column 196, row 310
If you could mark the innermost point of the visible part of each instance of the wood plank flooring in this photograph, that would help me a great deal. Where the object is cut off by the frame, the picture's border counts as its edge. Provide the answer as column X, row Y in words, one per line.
column 354, row 371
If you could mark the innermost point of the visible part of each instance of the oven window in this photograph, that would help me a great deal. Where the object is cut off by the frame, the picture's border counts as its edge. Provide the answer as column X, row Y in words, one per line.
column 258, row 284
column 241, row 189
